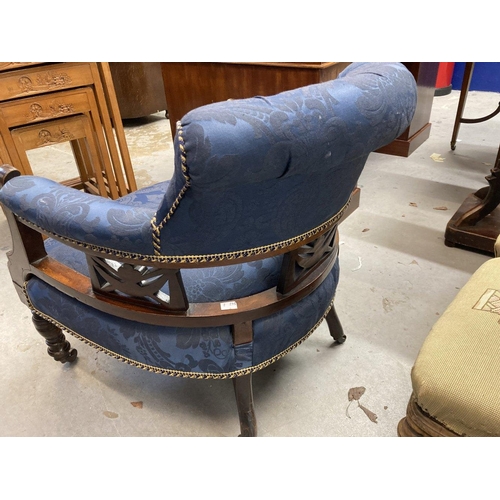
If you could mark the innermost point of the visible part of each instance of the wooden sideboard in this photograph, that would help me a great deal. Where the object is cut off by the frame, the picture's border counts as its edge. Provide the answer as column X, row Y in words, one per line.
column 190, row 85
column 194, row 84
column 139, row 88
column 425, row 74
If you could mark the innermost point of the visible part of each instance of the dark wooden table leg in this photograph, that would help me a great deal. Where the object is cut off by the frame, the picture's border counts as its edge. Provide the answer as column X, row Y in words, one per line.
column 469, row 68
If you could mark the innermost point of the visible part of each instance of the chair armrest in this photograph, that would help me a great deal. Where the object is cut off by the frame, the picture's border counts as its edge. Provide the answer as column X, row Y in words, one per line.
column 79, row 217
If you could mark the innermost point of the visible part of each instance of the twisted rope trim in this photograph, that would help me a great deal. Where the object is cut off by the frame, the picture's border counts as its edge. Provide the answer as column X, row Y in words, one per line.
column 158, row 227
column 168, row 371
column 195, row 259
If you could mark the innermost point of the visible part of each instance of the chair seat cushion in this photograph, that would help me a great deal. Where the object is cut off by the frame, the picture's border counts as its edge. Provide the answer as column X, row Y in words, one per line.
column 192, row 352
column 456, row 376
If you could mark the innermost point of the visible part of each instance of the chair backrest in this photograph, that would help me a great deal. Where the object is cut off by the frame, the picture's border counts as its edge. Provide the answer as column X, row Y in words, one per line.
column 253, row 174
column 253, row 178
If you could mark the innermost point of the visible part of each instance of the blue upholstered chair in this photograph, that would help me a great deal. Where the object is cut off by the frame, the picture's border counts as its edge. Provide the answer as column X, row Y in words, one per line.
column 232, row 263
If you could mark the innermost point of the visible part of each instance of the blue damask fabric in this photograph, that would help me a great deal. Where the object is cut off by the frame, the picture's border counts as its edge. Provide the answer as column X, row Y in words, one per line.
column 188, row 350
column 263, row 170
column 83, row 217
column 250, row 172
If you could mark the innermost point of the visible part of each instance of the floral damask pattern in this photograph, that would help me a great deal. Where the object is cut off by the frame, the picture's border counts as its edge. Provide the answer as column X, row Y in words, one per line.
column 245, row 157
column 189, row 350
column 80, row 216
column 248, row 173
column 297, row 154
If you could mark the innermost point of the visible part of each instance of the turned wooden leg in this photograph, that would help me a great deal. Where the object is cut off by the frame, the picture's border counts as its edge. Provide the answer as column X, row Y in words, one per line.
column 336, row 330
column 58, row 347
column 244, row 400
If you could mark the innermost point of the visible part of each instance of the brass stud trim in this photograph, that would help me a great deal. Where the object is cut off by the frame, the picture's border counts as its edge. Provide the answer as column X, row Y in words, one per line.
column 177, row 373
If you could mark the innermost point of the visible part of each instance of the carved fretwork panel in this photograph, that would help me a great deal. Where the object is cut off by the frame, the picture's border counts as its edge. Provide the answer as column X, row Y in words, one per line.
column 138, row 283
column 300, row 263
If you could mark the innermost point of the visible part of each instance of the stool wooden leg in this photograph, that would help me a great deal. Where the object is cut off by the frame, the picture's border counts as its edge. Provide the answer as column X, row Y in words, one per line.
column 244, row 400
column 58, row 347
column 334, row 325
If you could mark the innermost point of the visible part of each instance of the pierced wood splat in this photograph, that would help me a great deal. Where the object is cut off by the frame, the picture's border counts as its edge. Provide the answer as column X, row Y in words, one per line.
column 300, row 263
column 138, row 283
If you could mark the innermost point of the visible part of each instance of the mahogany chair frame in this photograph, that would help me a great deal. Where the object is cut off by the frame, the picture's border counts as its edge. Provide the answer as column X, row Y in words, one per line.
column 306, row 264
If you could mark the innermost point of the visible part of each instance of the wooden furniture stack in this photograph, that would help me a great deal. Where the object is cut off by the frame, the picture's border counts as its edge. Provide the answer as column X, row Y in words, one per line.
column 43, row 104
column 193, row 84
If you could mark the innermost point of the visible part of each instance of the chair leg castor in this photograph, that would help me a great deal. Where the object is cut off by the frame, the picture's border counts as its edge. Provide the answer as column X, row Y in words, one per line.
column 57, row 345
column 335, row 327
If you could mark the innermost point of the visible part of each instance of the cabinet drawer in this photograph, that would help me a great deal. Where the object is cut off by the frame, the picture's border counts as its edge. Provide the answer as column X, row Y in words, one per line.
column 47, row 107
column 40, row 80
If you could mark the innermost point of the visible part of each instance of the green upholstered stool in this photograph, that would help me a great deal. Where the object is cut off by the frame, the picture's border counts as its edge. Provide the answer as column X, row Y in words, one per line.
column 456, row 376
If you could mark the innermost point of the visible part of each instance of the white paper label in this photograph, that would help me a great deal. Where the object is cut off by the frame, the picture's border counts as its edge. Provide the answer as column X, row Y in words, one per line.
column 228, row 305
